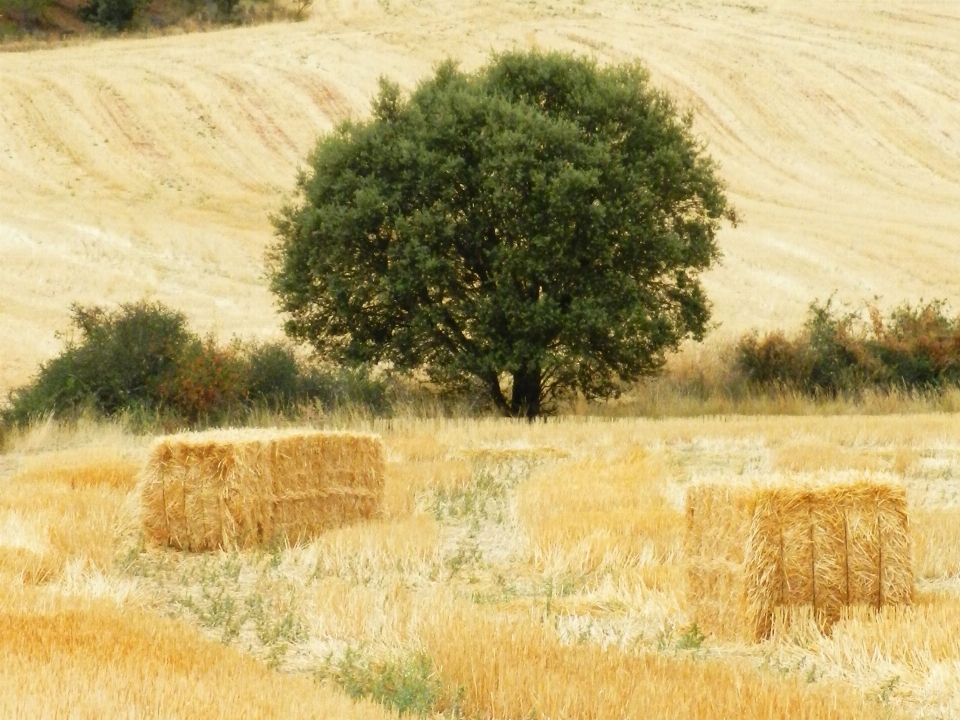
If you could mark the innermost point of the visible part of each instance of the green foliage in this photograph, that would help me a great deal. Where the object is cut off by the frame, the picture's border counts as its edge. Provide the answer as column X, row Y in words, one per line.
column 274, row 376
column 115, row 14
column 538, row 227
column 227, row 9
column 143, row 359
column 408, row 685
column 340, row 387
column 25, row 12
column 915, row 348
column 691, row 638
column 124, row 359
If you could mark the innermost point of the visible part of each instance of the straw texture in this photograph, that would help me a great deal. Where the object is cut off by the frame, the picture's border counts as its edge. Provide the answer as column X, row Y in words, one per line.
column 242, row 488
column 753, row 549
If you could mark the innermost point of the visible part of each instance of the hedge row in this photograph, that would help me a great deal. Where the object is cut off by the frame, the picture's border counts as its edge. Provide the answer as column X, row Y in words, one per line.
column 143, row 358
column 914, row 348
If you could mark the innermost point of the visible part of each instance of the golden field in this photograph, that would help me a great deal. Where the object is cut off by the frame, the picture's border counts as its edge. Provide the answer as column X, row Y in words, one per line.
column 528, row 570
column 149, row 167
column 538, row 568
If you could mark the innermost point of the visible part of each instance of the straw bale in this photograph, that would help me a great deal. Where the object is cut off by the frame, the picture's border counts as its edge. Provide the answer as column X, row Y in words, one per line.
column 752, row 549
column 238, row 489
column 830, row 586
column 762, row 573
column 863, row 547
column 791, row 512
column 896, row 573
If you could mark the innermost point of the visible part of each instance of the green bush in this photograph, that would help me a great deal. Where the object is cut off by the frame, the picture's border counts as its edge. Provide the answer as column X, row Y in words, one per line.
column 115, row 14
column 915, row 348
column 122, row 360
column 408, row 685
column 227, row 9
column 275, row 378
column 773, row 360
column 336, row 387
column 143, row 359
column 27, row 13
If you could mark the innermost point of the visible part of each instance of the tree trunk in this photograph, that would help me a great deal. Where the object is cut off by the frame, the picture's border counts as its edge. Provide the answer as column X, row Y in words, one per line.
column 493, row 384
column 527, row 389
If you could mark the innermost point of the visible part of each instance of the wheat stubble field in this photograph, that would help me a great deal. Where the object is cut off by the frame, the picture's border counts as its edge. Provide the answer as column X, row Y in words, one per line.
column 534, row 571
column 537, row 569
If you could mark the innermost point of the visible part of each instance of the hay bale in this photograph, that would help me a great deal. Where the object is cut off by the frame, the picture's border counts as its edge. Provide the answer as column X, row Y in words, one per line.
column 241, row 488
column 752, row 549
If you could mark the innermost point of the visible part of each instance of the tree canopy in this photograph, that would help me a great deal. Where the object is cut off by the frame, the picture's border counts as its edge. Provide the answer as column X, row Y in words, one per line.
column 538, row 227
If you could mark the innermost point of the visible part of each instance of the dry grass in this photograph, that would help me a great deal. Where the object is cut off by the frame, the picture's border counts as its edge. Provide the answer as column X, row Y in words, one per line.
column 536, row 581
column 590, row 514
column 98, row 662
column 823, row 456
column 81, row 469
column 538, row 567
column 376, row 550
column 64, row 505
column 936, row 536
column 408, row 482
column 515, row 666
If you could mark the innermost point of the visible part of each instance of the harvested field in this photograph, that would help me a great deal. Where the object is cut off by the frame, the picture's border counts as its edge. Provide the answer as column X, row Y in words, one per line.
column 517, row 568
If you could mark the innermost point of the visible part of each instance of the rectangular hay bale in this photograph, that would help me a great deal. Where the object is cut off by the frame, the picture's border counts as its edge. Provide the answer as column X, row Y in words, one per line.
column 234, row 489
column 752, row 549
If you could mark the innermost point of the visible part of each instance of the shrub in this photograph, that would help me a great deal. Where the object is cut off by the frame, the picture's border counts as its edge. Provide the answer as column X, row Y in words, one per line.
column 275, row 378
column 123, row 359
column 208, row 383
column 278, row 380
column 773, row 361
column 115, row 14
column 227, row 9
column 915, row 348
column 337, row 387
column 26, row 12
column 919, row 347
column 142, row 359
column 408, row 684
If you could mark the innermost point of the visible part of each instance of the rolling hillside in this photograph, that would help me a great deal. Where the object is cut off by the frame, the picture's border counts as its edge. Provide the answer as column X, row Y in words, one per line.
column 149, row 167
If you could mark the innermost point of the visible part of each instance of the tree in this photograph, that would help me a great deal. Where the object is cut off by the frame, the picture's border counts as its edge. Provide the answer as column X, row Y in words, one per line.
column 538, row 226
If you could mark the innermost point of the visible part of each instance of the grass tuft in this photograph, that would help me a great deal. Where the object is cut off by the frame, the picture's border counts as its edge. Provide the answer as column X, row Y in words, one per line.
column 407, row 684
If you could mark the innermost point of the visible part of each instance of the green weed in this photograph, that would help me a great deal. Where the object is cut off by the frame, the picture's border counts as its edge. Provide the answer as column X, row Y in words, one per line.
column 408, row 684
